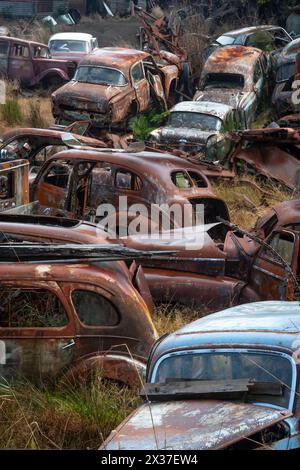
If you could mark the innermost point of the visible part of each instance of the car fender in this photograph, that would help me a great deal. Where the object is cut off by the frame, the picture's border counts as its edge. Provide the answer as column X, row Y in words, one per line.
column 53, row 71
column 116, row 367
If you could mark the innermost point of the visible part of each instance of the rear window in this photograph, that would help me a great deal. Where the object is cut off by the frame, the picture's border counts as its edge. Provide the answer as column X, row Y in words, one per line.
column 224, row 80
column 188, row 179
column 226, row 40
column 93, row 309
column 285, row 72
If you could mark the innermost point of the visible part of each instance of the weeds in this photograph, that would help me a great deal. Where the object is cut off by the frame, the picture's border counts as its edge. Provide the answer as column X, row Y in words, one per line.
column 145, row 123
column 11, row 112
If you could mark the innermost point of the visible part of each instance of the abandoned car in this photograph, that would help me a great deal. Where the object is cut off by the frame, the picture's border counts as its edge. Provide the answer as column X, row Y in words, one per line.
column 265, row 37
column 31, row 64
column 76, row 182
column 72, row 46
column 67, row 319
column 191, row 123
column 113, row 84
column 287, row 71
column 217, row 267
column 227, row 381
column 237, row 76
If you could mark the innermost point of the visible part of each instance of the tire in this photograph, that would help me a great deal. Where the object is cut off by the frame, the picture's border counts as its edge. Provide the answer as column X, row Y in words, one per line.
column 186, row 85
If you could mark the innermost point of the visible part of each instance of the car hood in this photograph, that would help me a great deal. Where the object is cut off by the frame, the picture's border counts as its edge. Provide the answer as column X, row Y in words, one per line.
column 181, row 135
column 191, row 425
column 231, row 97
column 87, row 93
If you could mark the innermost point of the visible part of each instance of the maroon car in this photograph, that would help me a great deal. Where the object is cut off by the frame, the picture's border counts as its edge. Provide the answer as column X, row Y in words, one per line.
column 31, row 64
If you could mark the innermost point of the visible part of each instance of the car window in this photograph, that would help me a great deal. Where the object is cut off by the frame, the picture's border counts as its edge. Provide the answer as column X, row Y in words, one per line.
column 99, row 76
column 127, row 180
column 285, row 72
column 7, row 185
column 30, row 308
column 197, row 179
column 20, row 50
column 39, row 51
column 58, row 175
column 192, row 120
column 3, row 48
column 283, row 244
column 226, row 40
column 137, row 72
column 257, row 73
column 93, row 309
column 224, row 80
column 213, row 366
column 181, row 179
column 68, row 45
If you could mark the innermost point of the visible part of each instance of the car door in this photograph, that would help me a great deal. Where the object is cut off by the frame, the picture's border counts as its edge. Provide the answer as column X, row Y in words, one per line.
column 20, row 66
column 37, row 333
column 141, row 86
column 271, row 278
column 51, row 188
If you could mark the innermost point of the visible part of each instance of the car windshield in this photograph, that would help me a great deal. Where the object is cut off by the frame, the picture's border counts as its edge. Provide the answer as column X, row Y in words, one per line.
column 226, row 40
column 201, row 121
column 213, row 366
column 285, row 72
column 223, row 80
column 65, row 45
column 99, row 76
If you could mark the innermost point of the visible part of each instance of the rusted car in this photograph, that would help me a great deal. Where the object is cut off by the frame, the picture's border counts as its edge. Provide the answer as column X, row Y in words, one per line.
column 227, row 381
column 266, row 37
column 37, row 145
column 287, row 72
column 192, row 123
column 238, row 76
column 31, row 64
column 219, row 266
column 66, row 317
column 113, row 84
column 72, row 46
column 77, row 181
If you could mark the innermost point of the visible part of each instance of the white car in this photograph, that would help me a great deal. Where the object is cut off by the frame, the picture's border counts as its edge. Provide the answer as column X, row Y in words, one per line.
column 72, row 46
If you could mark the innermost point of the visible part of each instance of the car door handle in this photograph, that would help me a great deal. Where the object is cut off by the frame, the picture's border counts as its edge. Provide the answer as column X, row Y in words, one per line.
column 68, row 345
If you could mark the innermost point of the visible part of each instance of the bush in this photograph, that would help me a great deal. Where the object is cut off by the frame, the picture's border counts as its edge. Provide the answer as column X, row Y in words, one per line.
column 12, row 112
column 144, row 124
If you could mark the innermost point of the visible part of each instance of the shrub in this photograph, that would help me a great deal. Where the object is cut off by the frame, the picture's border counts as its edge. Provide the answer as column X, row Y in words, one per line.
column 11, row 112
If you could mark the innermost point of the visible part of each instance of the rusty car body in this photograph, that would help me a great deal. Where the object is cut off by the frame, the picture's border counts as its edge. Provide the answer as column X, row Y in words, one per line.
column 72, row 46
column 236, row 76
column 218, row 266
column 112, row 84
column 77, row 181
column 31, row 64
column 68, row 316
column 269, row 38
column 192, row 123
column 287, row 72
column 226, row 381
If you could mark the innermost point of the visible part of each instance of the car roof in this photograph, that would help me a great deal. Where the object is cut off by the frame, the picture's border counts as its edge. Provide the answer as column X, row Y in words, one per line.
column 291, row 49
column 114, row 57
column 74, row 36
column 250, row 30
column 206, row 107
column 232, row 59
column 144, row 162
column 259, row 325
column 25, row 41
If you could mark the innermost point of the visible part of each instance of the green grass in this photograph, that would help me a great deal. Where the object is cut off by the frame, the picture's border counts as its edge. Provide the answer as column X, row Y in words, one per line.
column 11, row 112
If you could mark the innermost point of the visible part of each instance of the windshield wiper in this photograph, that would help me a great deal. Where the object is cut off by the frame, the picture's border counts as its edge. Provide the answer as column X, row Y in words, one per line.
column 224, row 389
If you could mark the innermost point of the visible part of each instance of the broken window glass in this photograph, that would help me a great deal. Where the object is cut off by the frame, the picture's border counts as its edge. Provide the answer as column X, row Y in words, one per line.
column 93, row 309
column 181, row 179
column 30, row 308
